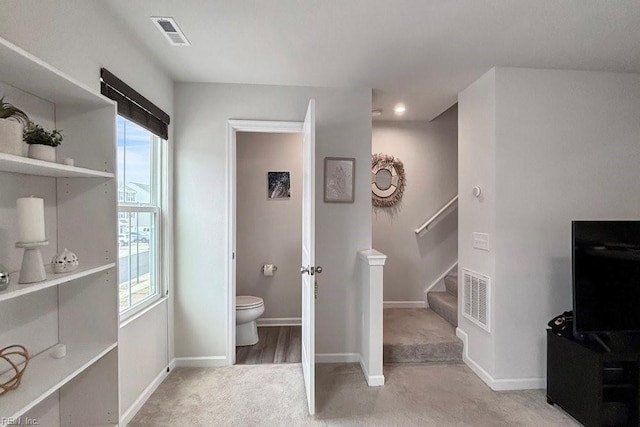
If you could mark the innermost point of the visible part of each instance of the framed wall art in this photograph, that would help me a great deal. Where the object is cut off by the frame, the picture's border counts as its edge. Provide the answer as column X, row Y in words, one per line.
column 279, row 185
column 339, row 179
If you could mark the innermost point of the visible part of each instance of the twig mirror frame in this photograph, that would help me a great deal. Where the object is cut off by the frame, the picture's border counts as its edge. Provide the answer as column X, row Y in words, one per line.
column 392, row 194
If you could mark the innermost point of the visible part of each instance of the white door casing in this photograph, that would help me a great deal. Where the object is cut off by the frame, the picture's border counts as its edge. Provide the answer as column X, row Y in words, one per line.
column 308, row 254
column 234, row 126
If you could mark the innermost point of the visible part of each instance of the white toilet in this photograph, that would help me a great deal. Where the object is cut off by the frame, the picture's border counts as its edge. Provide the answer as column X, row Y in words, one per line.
column 248, row 309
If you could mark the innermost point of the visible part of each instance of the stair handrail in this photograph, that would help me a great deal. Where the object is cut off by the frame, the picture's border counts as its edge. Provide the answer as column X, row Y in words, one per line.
column 436, row 215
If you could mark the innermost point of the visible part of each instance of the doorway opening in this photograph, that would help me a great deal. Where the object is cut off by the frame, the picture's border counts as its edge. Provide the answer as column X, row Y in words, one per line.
column 307, row 254
column 268, row 247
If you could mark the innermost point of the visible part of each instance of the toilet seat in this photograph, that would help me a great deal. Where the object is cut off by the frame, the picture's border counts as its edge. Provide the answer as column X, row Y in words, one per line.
column 246, row 302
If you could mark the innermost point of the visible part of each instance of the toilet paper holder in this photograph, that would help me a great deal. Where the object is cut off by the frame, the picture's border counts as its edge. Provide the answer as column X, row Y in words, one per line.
column 267, row 267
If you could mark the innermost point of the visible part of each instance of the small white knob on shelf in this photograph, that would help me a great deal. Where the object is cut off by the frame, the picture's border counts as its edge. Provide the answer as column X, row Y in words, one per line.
column 58, row 351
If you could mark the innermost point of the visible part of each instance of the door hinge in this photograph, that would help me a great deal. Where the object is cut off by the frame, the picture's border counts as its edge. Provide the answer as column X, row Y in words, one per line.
column 315, row 289
column 233, row 255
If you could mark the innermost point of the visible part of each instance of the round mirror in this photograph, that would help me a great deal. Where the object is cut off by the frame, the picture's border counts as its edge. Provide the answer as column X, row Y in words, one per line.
column 383, row 179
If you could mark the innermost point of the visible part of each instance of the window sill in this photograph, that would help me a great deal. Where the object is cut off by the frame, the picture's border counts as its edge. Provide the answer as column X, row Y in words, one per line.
column 136, row 313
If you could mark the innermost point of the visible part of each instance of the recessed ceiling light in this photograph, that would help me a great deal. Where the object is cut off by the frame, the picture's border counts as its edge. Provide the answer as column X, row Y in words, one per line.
column 399, row 109
column 376, row 112
column 170, row 30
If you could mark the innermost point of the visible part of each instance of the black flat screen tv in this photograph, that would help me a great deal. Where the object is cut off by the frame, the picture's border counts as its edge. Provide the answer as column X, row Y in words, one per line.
column 606, row 276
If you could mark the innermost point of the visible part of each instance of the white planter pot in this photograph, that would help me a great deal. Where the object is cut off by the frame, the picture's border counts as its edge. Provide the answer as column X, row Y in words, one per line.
column 11, row 137
column 42, row 152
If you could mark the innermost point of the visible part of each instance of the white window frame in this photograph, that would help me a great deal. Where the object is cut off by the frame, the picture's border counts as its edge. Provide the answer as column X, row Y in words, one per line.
column 157, row 194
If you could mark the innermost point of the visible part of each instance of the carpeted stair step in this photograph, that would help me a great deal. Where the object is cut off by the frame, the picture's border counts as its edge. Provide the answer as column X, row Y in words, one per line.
column 445, row 304
column 424, row 353
column 451, row 283
column 417, row 335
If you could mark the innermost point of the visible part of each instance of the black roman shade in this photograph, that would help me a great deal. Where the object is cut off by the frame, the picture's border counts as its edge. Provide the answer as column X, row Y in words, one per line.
column 134, row 106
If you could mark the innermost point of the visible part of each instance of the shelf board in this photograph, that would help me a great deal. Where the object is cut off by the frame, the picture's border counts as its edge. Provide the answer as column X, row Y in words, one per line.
column 27, row 166
column 24, row 71
column 44, row 375
column 15, row 289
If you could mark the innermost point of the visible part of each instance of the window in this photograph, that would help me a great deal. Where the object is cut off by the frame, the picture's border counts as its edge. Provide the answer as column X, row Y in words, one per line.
column 142, row 131
column 139, row 186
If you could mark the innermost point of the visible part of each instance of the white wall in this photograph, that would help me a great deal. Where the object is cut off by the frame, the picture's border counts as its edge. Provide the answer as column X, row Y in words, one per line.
column 79, row 37
column 476, row 167
column 429, row 152
column 343, row 129
column 269, row 231
column 566, row 147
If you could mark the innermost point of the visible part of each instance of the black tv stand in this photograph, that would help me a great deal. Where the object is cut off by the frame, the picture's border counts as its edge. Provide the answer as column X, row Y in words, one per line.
column 595, row 381
column 597, row 338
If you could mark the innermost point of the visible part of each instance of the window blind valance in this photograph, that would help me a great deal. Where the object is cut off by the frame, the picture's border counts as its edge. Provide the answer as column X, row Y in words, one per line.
column 134, row 106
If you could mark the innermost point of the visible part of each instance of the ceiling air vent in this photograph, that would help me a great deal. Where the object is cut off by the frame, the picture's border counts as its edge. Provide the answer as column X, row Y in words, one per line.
column 171, row 31
column 476, row 298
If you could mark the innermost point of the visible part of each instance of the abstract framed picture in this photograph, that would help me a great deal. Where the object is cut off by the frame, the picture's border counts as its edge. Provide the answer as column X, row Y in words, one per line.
column 339, row 179
column 279, row 185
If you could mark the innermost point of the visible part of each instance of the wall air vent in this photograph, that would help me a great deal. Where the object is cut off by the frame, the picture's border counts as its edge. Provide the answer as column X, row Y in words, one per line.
column 171, row 31
column 476, row 298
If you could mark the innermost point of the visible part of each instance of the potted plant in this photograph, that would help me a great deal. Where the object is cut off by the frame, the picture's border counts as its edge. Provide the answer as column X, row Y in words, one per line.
column 12, row 122
column 42, row 143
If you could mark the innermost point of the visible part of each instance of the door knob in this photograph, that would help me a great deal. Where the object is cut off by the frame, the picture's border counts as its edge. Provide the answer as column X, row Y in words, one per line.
column 304, row 270
column 318, row 270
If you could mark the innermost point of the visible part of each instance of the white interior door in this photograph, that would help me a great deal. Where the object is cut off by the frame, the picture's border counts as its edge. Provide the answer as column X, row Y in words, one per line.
column 308, row 254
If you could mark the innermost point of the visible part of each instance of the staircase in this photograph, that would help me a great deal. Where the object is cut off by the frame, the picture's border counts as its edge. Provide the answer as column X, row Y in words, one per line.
column 418, row 335
column 445, row 303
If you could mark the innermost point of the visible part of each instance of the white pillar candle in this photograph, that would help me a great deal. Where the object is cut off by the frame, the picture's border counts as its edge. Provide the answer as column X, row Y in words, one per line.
column 30, row 219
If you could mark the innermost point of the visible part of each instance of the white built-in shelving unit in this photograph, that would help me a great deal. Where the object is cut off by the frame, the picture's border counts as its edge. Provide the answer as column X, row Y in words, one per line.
column 80, row 308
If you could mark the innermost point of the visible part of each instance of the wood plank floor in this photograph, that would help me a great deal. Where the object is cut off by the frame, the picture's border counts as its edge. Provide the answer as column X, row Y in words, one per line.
column 278, row 344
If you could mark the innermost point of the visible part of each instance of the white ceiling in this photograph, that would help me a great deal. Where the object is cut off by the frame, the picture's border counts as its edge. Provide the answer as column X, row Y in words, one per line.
column 420, row 52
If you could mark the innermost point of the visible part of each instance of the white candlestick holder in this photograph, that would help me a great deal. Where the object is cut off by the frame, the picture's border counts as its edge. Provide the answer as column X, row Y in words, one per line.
column 32, row 269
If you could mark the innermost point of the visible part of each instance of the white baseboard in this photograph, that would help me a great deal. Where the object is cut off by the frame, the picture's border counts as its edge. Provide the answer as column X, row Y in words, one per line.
column 500, row 384
column 337, row 357
column 280, row 321
column 403, row 304
column 372, row 380
column 131, row 412
column 201, row 362
column 172, row 364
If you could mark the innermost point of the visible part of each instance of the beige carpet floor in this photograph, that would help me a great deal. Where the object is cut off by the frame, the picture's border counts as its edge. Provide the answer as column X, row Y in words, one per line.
column 273, row 395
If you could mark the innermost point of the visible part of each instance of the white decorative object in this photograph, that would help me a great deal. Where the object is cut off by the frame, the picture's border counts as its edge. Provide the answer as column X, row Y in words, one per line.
column 5, row 278
column 58, row 351
column 68, row 162
column 42, row 152
column 32, row 269
column 11, row 137
column 65, row 262
column 30, row 219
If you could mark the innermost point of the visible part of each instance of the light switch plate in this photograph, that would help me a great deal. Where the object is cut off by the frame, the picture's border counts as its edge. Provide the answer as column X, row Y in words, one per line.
column 481, row 241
